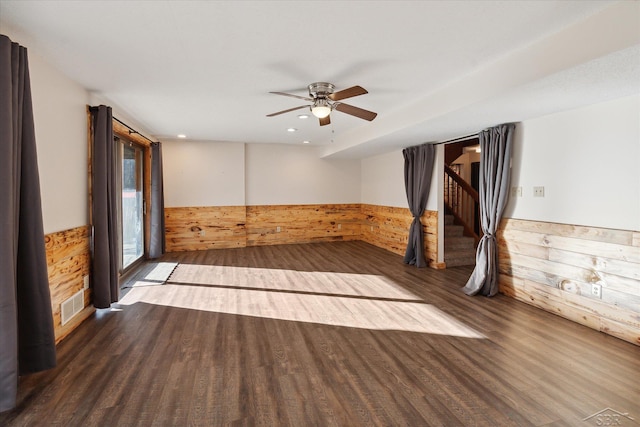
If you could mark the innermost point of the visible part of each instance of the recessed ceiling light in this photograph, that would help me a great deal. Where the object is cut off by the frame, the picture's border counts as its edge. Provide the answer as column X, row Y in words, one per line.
column 303, row 116
column 305, row 142
column 292, row 130
column 182, row 136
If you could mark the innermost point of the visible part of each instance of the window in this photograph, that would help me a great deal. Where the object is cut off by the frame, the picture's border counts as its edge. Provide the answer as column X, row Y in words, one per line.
column 132, row 204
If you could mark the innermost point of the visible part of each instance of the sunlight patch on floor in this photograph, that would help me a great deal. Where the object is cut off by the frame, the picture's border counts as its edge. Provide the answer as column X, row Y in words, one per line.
column 349, row 300
column 367, row 285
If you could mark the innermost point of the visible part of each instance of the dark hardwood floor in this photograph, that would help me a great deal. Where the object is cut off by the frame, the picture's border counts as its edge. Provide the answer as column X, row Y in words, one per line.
column 338, row 334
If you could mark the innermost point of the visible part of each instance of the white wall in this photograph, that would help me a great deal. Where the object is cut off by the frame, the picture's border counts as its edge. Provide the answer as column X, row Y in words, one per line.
column 232, row 174
column 279, row 174
column 198, row 173
column 96, row 99
column 382, row 181
column 587, row 159
column 59, row 108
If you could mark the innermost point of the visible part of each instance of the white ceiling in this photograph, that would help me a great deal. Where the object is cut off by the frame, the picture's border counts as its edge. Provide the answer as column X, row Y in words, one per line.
column 434, row 70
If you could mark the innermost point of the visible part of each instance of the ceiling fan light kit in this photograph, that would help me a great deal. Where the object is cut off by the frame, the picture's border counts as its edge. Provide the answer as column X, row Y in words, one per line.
column 321, row 108
column 325, row 100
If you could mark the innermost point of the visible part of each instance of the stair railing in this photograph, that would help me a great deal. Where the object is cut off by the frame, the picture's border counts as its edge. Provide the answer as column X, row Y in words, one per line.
column 462, row 200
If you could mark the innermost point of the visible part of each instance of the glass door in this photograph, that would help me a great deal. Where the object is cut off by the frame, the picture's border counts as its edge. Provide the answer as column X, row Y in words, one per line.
column 132, row 203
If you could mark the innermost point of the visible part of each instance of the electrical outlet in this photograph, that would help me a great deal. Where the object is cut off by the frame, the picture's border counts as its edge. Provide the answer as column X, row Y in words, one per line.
column 202, row 233
column 538, row 191
column 339, row 226
column 278, row 229
column 86, row 281
column 596, row 290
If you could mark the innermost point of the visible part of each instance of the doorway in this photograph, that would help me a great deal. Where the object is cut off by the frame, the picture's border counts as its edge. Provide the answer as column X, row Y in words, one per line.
column 461, row 227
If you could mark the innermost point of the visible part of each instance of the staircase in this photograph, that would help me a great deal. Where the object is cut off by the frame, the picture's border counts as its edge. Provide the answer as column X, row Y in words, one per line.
column 460, row 238
column 458, row 248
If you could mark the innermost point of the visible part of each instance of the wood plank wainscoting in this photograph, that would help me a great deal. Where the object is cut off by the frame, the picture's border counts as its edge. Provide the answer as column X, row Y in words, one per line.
column 387, row 227
column 201, row 228
column 553, row 267
column 68, row 260
column 302, row 224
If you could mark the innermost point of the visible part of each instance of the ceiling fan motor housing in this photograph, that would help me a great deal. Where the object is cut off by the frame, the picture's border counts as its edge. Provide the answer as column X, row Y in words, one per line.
column 321, row 89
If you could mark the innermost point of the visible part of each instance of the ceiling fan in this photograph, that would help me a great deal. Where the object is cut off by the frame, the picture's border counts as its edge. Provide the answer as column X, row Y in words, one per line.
column 325, row 100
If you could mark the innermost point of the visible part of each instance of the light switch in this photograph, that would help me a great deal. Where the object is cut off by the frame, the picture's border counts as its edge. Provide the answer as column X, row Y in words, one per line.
column 516, row 191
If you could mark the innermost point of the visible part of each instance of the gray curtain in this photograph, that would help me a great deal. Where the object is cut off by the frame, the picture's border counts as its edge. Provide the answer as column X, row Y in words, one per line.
column 27, row 341
column 495, row 171
column 418, row 168
column 104, row 211
column 157, row 243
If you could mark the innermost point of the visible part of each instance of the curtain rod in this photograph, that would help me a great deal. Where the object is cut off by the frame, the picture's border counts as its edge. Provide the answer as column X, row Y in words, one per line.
column 132, row 130
column 461, row 139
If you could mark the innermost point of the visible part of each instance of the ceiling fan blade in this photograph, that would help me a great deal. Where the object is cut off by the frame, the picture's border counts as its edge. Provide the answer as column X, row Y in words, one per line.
column 306, row 98
column 286, row 111
column 325, row 121
column 355, row 111
column 347, row 93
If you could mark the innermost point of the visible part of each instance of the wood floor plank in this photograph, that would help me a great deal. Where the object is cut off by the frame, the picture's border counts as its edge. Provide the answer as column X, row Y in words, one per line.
column 330, row 334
